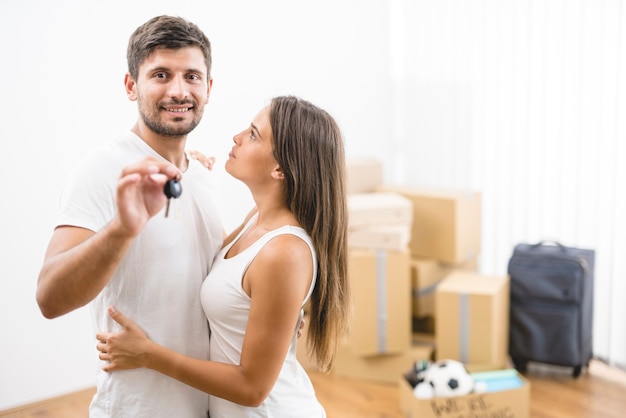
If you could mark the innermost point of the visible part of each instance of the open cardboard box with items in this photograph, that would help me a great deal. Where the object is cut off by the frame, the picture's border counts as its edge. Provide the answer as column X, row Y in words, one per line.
column 503, row 394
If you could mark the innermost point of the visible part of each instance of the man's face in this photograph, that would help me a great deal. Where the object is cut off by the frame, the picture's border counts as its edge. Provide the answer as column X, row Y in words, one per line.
column 172, row 88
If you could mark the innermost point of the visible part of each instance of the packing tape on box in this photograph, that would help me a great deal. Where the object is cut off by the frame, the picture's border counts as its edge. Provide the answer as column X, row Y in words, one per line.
column 464, row 324
column 429, row 290
column 381, row 299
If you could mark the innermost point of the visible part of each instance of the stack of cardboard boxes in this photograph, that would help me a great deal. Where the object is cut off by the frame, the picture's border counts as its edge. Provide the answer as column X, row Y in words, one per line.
column 379, row 345
column 417, row 293
column 465, row 312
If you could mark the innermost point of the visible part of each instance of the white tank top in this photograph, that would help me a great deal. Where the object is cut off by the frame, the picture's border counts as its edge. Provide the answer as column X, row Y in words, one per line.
column 227, row 307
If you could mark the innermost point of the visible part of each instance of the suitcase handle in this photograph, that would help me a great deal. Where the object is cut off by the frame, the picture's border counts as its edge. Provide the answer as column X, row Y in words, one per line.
column 550, row 242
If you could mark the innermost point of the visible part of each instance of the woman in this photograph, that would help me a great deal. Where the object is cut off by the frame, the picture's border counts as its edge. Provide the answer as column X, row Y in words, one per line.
column 289, row 251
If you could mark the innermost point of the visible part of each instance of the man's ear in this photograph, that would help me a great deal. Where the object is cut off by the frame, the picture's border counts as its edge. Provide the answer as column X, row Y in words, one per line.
column 208, row 90
column 131, row 87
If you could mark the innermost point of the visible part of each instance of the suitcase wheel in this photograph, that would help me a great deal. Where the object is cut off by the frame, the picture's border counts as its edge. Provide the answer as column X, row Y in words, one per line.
column 577, row 370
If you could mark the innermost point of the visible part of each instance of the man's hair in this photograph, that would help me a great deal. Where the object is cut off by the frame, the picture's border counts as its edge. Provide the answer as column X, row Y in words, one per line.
column 167, row 32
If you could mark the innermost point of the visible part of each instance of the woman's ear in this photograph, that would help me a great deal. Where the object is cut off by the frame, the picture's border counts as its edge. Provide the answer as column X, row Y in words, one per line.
column 278, row 174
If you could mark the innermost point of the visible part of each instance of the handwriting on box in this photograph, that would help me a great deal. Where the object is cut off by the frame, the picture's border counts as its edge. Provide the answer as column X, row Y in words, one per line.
column 469, row 407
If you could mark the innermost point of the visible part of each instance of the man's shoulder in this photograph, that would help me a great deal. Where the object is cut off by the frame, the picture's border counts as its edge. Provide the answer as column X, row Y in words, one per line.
column 115, row 153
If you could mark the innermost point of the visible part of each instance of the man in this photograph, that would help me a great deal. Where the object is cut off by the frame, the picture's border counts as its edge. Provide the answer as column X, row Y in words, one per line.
column 156, row 275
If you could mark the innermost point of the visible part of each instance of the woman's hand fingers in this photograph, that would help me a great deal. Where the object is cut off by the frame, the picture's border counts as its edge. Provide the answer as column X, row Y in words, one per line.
column 122, row 350
column 208, row 162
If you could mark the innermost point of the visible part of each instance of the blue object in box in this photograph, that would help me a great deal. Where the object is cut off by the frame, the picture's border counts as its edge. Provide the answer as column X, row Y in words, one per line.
column 497, row 380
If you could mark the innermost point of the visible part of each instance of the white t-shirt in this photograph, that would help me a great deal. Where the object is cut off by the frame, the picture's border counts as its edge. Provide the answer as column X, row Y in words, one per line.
column 158, row 282
column 227, row 306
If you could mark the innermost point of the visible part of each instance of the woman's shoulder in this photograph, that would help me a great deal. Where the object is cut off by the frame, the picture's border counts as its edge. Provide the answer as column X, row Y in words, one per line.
column 288, row 247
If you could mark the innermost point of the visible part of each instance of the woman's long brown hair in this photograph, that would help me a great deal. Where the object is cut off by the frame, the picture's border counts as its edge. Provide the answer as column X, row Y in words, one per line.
column 309, row 148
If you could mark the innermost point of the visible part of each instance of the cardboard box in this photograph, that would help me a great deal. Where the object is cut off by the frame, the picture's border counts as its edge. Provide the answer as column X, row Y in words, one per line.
column 370, row 209
column 446, row 225
column 381, row 298
column 472, row 319
column 512, row 403
column 363, row 174
column 421, row 338
column 383, row 368
column 383, row 237
column 426, row 274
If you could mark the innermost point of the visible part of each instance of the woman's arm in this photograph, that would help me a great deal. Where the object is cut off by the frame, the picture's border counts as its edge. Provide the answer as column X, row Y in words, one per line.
column 277, row 282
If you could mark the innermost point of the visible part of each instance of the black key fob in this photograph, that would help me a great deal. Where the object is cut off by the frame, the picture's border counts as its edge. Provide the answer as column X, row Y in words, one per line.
column 173, row 189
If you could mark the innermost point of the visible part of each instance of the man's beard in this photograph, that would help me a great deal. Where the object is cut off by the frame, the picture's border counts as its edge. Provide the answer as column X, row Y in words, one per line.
column 173, row 128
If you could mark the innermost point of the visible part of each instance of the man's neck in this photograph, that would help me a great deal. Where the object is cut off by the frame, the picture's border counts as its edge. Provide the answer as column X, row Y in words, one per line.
column 171, row 148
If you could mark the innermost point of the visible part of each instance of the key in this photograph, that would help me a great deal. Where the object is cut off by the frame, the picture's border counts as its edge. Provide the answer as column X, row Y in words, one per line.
column 172, row 190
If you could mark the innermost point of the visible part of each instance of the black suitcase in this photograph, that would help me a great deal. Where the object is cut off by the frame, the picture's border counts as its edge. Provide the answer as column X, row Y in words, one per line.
column 551, row 306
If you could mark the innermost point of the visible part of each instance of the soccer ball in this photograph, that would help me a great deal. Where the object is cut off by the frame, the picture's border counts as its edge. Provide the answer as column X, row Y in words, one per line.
column 449, row 378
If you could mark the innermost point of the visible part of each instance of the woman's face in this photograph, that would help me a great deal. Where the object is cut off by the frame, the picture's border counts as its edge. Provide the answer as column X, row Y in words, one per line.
column 251, row 159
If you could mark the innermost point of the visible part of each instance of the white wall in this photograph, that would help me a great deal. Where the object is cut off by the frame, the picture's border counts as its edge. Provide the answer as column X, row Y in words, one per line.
column 62, row 69
column 524, row 101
